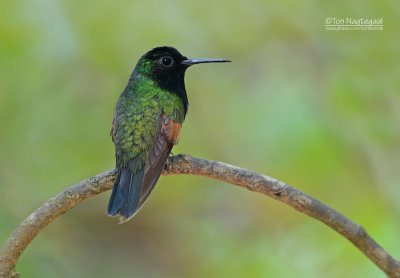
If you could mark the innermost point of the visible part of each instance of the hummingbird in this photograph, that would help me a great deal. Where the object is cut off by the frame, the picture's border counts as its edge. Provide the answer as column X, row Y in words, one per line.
column 146, row 125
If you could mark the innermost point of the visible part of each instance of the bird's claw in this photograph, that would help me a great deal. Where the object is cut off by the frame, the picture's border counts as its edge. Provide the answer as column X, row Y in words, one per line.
column 169, row 161
column 167, row 166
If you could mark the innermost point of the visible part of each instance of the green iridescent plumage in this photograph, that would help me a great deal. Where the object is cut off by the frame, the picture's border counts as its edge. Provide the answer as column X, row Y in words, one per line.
column 137, row 123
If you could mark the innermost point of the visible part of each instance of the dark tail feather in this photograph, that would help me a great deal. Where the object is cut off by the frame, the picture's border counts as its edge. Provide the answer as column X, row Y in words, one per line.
column 112, row 209
column 126, row 193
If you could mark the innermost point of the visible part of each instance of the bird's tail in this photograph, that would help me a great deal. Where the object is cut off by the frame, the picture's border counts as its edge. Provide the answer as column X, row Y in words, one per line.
column 125, row 196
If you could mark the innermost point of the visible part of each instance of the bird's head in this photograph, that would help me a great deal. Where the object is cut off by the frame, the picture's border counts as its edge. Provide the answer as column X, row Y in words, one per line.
column 167, row 66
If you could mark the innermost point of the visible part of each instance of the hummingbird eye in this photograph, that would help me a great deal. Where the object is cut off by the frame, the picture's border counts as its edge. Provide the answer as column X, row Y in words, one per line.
column 166, row 61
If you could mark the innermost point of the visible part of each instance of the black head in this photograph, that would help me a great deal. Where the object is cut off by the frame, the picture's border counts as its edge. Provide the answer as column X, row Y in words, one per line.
column 167, row 67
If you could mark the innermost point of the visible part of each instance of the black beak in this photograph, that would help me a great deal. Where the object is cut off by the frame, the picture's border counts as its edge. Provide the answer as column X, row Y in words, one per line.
column 190, row 62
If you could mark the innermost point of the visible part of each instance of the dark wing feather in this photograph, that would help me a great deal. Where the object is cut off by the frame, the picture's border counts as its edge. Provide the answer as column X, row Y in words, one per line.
column 154, row 165
column 158, row 155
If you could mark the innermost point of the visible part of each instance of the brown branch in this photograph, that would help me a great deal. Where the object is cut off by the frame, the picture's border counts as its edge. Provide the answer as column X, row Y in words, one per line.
column 184, row 164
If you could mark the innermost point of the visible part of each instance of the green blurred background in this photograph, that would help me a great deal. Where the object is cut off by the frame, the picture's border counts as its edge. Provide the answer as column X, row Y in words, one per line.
column 317, row 109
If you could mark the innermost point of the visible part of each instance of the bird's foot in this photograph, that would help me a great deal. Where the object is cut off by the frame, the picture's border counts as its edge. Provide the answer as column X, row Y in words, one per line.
column 169, row 161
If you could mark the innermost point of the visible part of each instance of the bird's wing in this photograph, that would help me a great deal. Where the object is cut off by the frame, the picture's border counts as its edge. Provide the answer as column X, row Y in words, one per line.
column 158, row 155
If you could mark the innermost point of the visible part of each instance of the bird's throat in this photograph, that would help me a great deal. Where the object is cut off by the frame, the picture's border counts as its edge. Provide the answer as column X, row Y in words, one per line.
column 174, row 83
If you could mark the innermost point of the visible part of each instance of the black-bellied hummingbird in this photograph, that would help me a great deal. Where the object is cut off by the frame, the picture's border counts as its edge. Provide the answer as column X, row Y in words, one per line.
column 147, row 121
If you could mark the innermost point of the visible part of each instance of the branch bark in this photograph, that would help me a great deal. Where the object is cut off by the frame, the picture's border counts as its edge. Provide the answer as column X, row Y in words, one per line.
column 184, row 164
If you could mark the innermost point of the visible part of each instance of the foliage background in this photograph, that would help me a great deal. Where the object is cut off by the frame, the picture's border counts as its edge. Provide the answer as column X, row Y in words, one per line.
column 318, row 109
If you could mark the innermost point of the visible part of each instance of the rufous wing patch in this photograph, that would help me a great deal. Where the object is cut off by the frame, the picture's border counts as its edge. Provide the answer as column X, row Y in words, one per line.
column 170, row 129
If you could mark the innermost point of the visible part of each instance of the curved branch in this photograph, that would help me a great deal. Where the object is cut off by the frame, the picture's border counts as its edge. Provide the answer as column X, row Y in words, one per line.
column 184, row 164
